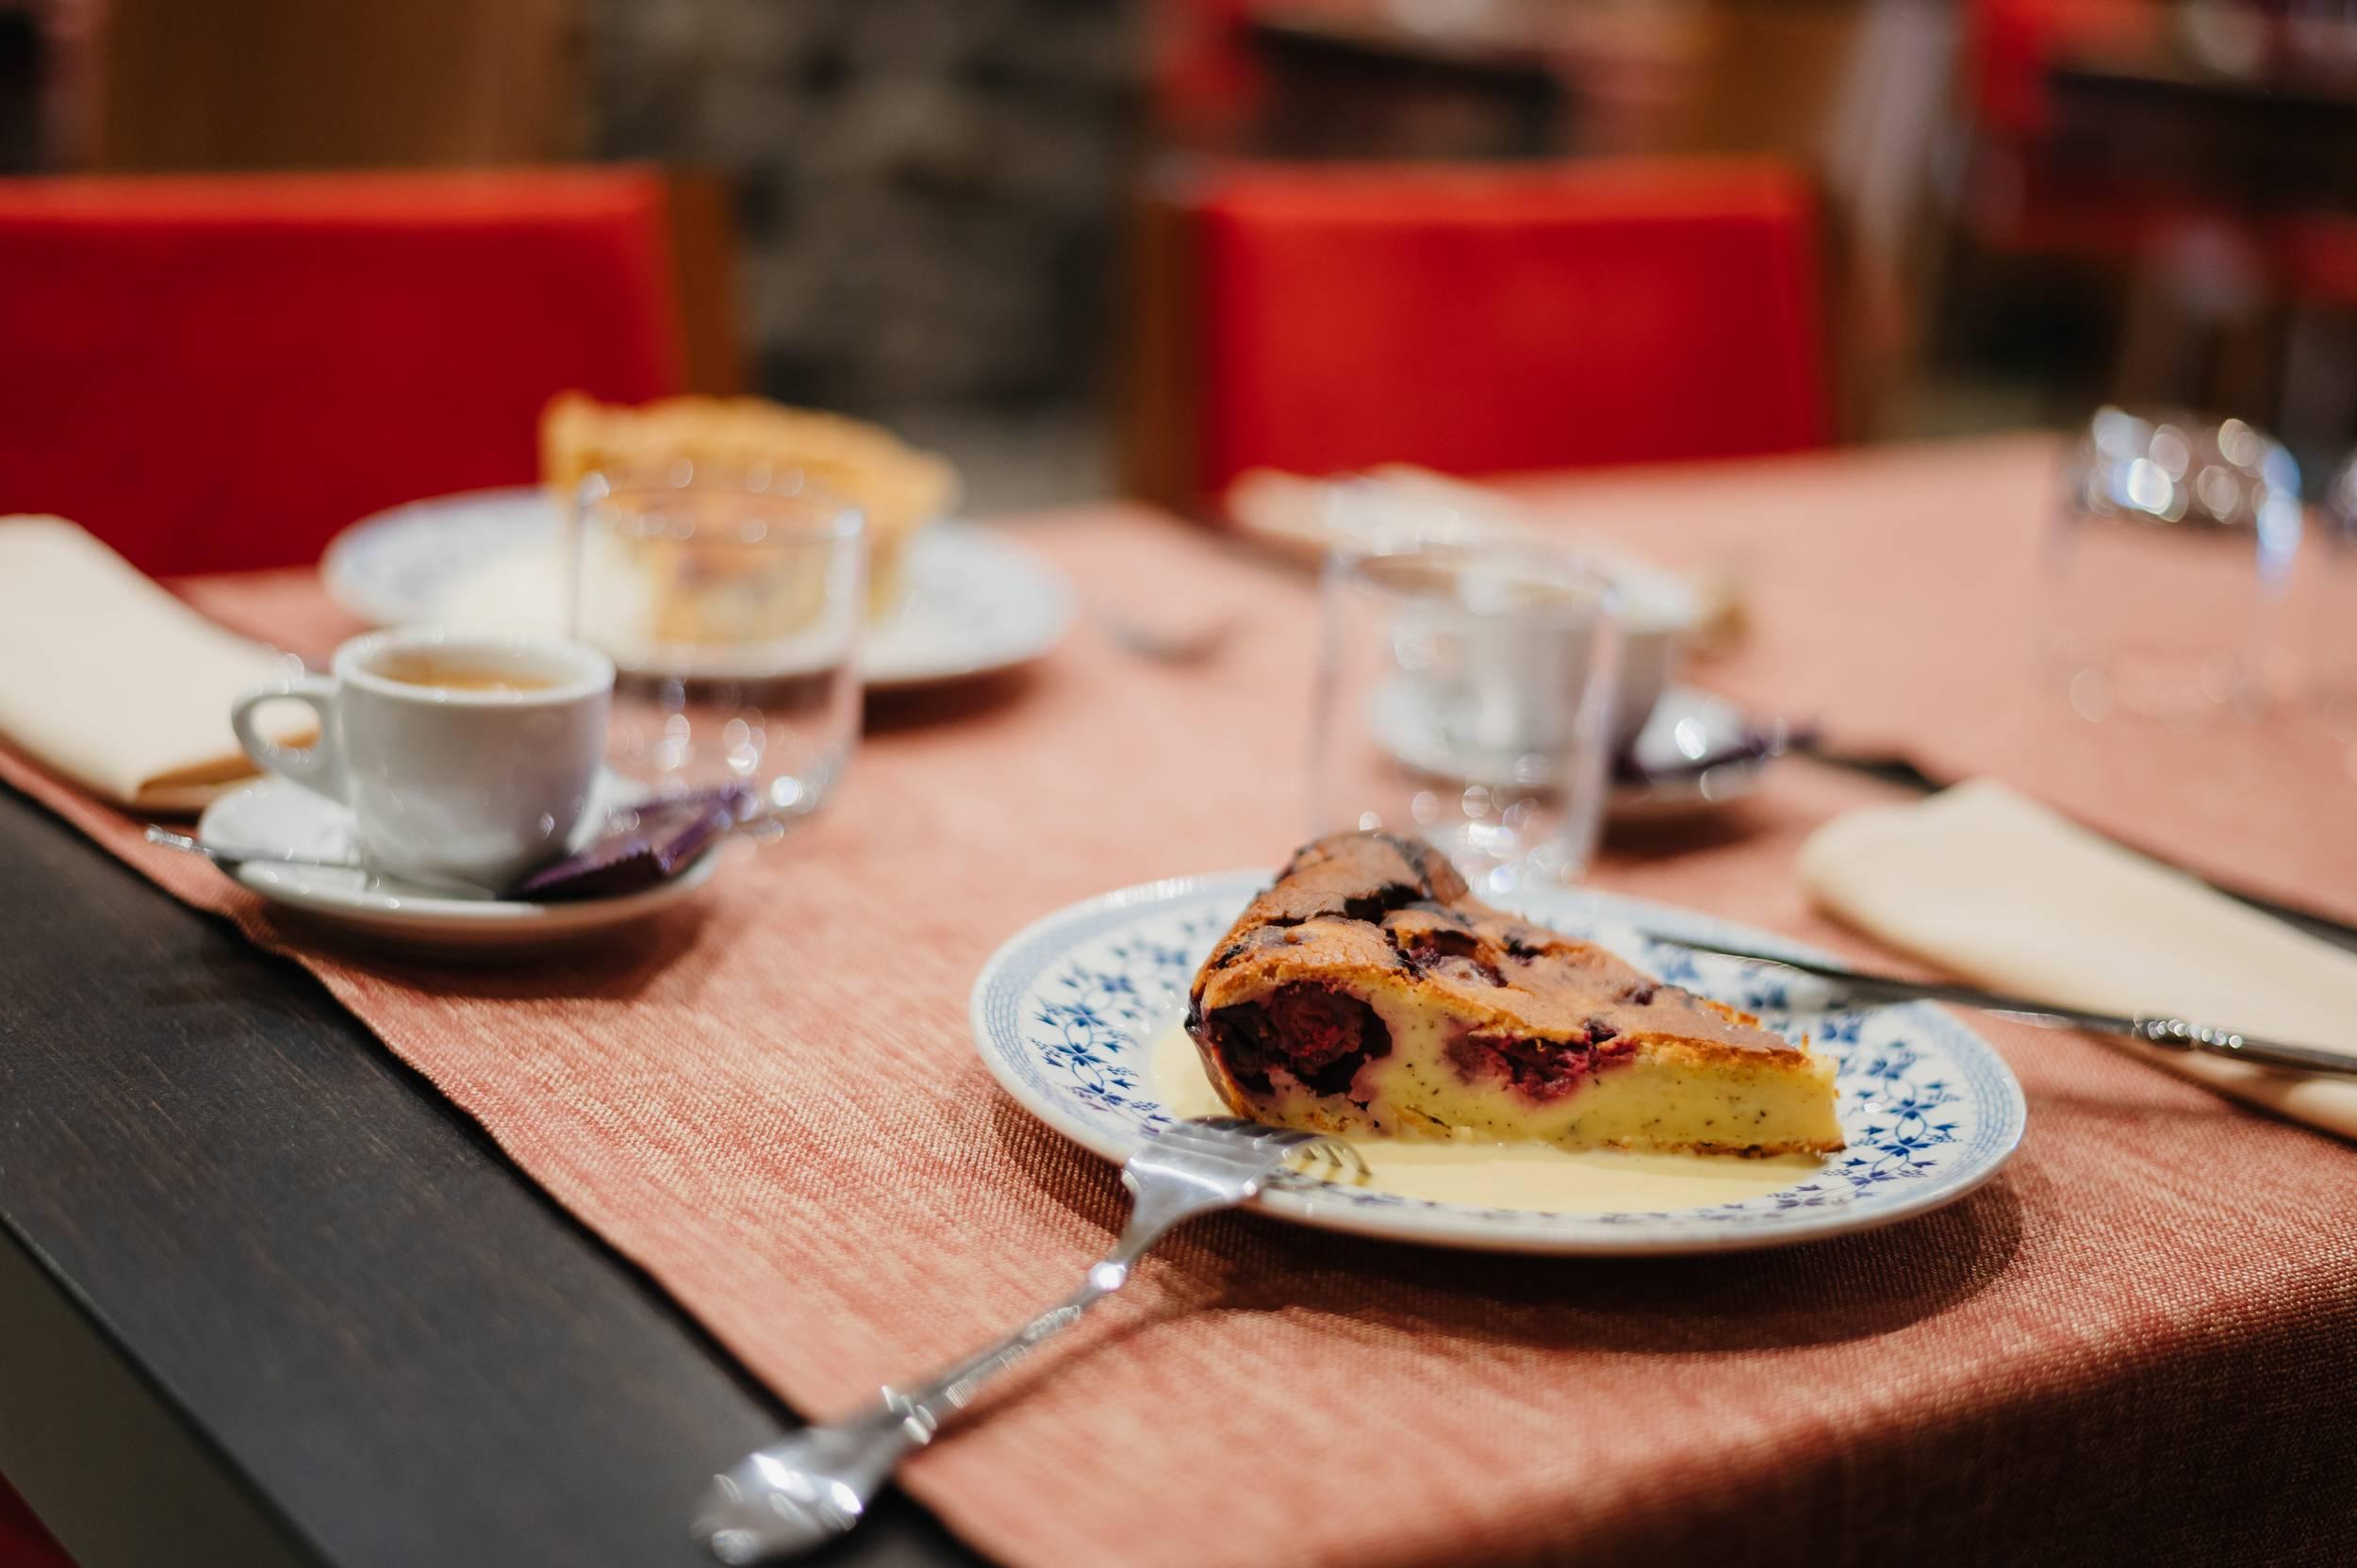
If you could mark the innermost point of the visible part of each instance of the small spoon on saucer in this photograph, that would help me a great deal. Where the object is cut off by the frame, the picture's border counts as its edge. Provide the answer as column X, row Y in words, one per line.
column 230, row 859
column 639, row 847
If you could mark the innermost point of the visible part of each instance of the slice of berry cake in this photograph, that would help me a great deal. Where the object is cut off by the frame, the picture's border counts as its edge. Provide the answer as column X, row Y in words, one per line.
column 1368, row 991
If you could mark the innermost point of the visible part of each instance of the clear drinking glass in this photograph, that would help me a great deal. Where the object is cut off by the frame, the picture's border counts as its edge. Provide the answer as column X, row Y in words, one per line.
column 2328, row 673
column 731, row 604
column 2166, row 565
column 1464, row 694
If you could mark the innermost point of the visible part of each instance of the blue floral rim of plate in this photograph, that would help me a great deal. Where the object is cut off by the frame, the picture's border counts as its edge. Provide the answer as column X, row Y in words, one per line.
column 1067, row 1014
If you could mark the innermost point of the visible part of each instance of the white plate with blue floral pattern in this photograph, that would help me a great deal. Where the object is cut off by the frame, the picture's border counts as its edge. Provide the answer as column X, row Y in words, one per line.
column 1068, row 1012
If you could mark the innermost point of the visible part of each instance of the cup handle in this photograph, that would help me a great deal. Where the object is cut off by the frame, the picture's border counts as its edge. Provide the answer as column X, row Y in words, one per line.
column 319, row 767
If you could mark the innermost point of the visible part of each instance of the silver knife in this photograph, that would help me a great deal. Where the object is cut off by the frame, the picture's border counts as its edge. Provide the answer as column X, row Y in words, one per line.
column 2168, row 1033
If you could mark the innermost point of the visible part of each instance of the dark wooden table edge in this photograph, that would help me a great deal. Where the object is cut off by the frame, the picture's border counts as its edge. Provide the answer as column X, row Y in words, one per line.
column 90, row 1405
column 125, row 1465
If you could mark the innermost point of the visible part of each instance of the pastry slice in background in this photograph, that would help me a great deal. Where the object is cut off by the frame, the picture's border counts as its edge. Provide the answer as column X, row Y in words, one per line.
column 897, row 488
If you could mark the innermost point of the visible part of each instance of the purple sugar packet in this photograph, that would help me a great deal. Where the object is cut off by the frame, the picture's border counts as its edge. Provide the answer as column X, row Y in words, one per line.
column 642, row 846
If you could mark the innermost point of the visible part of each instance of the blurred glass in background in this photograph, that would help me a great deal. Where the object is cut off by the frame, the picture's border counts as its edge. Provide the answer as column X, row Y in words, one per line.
column 2149, row 509
column 732, row 606
column 2333, row 682
column 1465, row 692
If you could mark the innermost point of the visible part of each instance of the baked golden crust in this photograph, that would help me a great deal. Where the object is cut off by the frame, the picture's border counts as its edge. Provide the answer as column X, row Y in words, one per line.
column 1365, row 939
column 1373, row 908
column 897, row 487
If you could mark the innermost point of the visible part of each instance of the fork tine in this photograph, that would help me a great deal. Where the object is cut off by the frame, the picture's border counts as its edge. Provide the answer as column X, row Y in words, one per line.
column 1206, row 1142
column 1339, row 1151
column 1214, row 1126
column 1226, row 1131
column 1222, row 1131
column 1358, row 1161
column 1235, row 1137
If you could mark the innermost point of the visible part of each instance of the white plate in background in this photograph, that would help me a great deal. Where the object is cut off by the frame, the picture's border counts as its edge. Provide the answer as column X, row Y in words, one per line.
column 975, row 604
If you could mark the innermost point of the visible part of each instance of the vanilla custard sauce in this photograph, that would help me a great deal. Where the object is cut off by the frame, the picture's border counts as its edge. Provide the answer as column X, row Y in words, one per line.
column 1516, row 1175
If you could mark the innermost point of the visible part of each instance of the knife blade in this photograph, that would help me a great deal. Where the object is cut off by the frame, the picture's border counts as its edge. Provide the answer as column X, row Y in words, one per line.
column 2169, row 1033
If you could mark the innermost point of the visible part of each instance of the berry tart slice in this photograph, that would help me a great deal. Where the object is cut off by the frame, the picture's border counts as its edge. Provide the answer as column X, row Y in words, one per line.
column 1367, row 991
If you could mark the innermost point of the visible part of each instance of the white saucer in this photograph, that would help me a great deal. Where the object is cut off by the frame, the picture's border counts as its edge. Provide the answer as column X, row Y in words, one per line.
column 1686, row 722
column 276, row 816
column 975, row 604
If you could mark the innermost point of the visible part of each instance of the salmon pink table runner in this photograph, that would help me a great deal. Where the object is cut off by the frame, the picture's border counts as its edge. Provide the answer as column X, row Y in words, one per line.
column 2136, row 1343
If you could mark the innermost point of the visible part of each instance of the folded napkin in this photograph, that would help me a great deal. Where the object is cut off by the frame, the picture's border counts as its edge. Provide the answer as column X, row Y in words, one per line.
column 1994, row 887
column 110, row 681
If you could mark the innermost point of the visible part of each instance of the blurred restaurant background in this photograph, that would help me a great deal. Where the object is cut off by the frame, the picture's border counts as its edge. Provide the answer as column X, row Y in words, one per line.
column 1084, row 245
column 268, row 267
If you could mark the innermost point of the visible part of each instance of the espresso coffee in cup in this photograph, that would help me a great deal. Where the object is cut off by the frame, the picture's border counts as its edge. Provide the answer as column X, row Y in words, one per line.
column 462, row 757
column 424, row 667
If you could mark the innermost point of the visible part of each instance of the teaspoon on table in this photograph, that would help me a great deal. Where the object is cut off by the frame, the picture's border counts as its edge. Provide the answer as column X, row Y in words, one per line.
column 1161, row 641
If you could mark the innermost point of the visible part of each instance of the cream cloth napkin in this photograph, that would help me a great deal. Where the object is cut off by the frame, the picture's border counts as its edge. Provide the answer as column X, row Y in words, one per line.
column 110, row 681
column 1993, row 886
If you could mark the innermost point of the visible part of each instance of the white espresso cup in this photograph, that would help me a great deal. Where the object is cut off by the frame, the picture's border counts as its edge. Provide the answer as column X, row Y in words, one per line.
column 462, row 757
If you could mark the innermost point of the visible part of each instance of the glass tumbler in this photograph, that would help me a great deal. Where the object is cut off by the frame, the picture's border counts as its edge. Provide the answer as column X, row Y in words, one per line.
column 2166, row 565
column 732, row 606
column 2333, row 659
column 1465, row 694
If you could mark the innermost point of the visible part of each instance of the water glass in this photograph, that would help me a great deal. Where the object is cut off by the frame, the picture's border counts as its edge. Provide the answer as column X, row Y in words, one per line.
column 1465, row 692
column 2166, row 565
column 731, row 604
column 2329, row 672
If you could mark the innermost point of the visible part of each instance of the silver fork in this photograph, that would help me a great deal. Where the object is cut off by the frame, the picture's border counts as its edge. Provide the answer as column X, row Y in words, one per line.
column 815, row 1484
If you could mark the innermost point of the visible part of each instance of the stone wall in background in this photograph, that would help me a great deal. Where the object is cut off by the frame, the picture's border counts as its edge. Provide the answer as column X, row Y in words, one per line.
column 926, row 190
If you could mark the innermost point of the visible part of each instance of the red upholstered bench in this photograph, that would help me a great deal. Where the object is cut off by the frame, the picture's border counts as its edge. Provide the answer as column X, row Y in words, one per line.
column 218, row 372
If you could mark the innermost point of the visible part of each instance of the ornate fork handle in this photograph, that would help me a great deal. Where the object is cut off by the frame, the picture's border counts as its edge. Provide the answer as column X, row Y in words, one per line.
column 814, row 1484
column 924, row 1411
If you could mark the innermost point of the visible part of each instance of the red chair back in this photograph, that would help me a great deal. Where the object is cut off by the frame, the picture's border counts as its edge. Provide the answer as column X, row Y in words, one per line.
column 1201, row 78
column 2315, row 257
column 2010, row 46
column 219, row 372
column 1485, row 320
